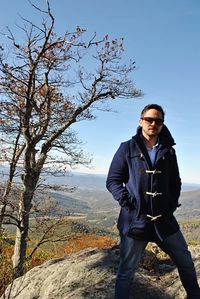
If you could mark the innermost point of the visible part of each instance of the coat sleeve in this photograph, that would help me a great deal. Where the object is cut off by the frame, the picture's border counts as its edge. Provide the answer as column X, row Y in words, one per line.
column 175, row 182
column 117, row 176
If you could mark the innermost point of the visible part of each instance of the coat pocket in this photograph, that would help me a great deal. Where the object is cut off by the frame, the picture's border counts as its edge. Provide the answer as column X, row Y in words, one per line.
column 136, row 224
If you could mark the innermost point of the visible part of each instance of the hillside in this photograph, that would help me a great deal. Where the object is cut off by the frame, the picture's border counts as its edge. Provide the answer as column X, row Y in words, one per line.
column 190, row 205
column 100, row 209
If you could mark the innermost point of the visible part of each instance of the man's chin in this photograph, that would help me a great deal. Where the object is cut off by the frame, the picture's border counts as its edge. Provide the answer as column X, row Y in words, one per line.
column 153, row 133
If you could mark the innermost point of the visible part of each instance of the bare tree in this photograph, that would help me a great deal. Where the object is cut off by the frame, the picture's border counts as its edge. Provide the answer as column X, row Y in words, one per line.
column 45, row 88
column 49, row 223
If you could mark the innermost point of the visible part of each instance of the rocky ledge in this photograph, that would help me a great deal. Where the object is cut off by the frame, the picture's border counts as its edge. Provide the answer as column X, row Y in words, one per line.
column 91, row 274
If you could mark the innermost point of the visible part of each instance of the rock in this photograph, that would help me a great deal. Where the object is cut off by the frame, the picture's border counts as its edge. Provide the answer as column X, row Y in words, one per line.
column 91, row 274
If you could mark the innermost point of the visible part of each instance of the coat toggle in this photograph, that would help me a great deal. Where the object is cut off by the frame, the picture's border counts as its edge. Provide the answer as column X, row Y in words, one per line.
column 153, row 193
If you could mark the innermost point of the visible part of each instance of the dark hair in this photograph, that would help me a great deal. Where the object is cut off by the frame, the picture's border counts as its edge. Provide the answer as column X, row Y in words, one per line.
column 153, row 106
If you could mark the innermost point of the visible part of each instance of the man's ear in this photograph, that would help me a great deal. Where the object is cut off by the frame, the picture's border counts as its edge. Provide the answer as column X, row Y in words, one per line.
column 140, row 122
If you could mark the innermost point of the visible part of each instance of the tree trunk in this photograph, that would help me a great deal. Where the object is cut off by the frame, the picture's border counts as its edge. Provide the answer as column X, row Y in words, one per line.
column 29, row 178
column 2, row 212
column 18, row 258
column 4, row 200
column 19, row 255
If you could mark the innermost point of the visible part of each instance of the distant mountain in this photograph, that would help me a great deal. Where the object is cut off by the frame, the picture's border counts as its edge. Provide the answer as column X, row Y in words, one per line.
column 190, row 187
column 96, row 181
column 80, row 180
column 92, row 198
column 85, row 180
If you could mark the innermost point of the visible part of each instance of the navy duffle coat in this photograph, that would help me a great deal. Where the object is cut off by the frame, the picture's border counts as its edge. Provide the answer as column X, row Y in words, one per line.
column 148, row 194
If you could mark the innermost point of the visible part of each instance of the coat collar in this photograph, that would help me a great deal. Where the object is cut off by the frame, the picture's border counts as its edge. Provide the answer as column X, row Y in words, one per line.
column 165, row 137
column 166, row 141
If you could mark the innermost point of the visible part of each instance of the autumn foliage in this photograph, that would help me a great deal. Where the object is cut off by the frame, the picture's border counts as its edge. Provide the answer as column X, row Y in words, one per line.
column 87, row 241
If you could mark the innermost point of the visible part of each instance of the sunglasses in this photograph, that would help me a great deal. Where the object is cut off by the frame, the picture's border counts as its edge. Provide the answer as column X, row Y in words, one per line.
column 158, row 121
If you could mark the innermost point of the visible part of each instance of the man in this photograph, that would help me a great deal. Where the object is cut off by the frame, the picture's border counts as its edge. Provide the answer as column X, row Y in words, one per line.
column 144, row 179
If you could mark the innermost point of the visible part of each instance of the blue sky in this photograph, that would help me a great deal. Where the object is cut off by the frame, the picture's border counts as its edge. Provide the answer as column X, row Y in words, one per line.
column 163, row 37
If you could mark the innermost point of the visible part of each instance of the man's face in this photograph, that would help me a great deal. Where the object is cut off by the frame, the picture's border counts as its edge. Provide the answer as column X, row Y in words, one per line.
column 151, row 123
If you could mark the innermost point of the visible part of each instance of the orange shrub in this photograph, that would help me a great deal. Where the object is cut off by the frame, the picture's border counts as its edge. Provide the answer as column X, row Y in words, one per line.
column 87, row 241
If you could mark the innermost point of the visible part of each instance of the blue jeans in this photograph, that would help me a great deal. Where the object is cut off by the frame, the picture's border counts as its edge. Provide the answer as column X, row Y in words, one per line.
column 175, row 246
